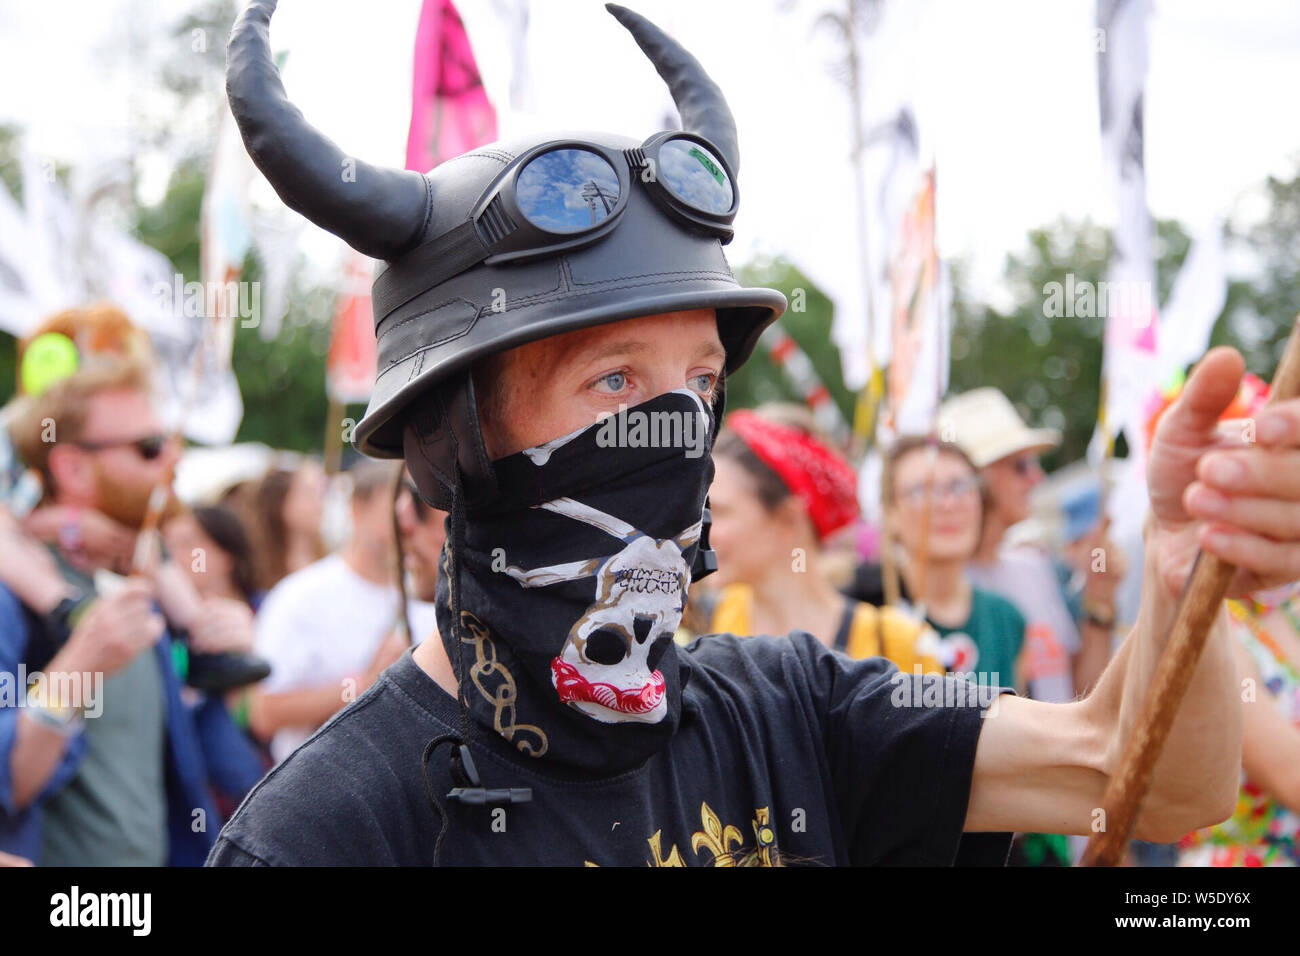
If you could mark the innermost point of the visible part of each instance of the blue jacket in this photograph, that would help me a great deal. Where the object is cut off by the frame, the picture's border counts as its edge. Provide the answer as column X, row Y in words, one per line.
column 204, row 749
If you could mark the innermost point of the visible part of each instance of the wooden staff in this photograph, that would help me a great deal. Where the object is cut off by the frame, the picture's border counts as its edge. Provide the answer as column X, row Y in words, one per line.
column 1202, row 595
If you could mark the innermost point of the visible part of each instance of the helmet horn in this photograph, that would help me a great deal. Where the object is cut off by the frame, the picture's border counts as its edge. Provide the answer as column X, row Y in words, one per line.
column 699, row 101
column 379, row 212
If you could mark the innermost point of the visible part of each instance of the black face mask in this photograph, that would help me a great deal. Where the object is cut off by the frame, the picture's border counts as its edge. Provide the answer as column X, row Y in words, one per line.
column 573, row 582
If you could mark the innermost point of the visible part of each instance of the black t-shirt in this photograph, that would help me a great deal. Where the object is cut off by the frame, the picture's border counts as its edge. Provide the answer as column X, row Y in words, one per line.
column 786, row 752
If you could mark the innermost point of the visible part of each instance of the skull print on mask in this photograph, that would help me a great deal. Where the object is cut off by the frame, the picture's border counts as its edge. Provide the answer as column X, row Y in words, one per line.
column 575, row 580
column 607, row 666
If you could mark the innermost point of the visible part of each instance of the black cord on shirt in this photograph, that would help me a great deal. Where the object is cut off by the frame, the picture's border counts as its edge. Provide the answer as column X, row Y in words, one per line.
column 434, row 802
column 457, row 523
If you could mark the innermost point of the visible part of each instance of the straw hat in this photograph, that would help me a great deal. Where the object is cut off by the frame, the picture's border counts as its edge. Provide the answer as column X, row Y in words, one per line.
column 984, row 423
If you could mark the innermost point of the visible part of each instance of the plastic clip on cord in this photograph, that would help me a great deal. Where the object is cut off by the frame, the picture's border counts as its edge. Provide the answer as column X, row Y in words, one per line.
column 475, row 794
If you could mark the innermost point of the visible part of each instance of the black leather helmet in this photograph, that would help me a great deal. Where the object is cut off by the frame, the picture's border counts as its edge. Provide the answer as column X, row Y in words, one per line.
column 432, row 326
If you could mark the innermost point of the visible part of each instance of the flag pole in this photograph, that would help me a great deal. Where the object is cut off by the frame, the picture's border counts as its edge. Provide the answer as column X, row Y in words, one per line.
column 333, row 436
column 871, row 395
column 1202, row 596
column 932, row 447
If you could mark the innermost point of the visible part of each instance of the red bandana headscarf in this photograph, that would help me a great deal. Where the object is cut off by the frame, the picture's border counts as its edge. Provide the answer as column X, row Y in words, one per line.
column 818, row 475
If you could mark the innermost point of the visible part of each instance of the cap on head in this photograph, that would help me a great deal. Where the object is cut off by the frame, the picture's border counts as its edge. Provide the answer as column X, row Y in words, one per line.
column 984, row 423
column 430, row 335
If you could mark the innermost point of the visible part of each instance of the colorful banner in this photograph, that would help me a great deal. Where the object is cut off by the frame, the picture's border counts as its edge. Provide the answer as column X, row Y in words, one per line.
column 450, row 111
column 918, row 359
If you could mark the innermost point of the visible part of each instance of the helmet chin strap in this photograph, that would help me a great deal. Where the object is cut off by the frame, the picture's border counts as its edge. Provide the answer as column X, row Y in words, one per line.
column 443, row 445
column 706, row 559
column 468, row 787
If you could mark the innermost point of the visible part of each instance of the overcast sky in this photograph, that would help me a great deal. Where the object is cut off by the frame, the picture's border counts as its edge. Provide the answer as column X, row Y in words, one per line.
column 1006, row 91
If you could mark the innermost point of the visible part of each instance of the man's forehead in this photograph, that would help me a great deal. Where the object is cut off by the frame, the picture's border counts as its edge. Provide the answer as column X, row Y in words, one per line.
column 694, row 329
column 125, row 410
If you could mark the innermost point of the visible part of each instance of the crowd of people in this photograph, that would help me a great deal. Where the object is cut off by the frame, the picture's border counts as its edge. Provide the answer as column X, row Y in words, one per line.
column 218, row 647
column 209, row 681
column 230, row 642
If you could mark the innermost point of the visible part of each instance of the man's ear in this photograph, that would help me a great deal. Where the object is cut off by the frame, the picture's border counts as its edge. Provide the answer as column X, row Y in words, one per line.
column 72, row 472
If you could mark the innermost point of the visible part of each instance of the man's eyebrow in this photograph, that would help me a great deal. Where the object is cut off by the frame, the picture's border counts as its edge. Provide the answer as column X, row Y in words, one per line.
column 640, row 347
column 618, row 347
column 711, row 350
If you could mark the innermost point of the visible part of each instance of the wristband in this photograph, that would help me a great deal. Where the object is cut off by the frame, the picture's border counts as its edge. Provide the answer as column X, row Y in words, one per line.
column 65, row 720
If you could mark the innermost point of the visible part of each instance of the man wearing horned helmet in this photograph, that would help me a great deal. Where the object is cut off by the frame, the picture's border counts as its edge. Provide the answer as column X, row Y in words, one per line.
column 562, row 724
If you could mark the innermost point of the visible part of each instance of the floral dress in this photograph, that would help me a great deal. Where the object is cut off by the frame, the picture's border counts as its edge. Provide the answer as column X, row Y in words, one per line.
column 1261, row 831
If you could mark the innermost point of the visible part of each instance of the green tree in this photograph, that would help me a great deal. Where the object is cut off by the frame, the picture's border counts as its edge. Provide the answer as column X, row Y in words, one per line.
column 808, row 322
column 1050, row 367
column 1262, row 307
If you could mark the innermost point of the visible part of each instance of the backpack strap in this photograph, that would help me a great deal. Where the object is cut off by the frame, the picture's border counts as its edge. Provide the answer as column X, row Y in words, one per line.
column 865, row 632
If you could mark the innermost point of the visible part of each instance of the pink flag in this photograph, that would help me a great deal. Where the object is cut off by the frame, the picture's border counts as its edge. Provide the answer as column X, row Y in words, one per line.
column 450, row 112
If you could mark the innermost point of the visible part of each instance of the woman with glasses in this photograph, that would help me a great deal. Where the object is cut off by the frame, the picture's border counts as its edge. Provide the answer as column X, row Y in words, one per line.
column 935, row 504
column 779, row 493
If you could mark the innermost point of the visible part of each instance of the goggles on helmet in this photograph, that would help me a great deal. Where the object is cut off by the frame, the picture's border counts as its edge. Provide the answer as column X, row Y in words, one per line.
column 566, row 194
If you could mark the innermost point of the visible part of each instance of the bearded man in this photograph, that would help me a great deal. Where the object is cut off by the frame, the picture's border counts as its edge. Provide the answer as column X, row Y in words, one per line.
column 126, row 778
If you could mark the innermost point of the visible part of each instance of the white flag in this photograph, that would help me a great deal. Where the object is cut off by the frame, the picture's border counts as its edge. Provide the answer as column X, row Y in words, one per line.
column 1128, row 299
column 1194, row 303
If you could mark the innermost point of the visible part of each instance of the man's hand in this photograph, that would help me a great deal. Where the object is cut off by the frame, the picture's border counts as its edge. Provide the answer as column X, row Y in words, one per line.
column 224, row 625
column 89, row 537
column 27, row 568
column 114, row 630
column 1045, row 767
column 1230, row 488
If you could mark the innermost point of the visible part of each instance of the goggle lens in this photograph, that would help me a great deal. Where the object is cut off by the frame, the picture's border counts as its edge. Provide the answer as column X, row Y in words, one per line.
column 695, row 176
column 567, row 190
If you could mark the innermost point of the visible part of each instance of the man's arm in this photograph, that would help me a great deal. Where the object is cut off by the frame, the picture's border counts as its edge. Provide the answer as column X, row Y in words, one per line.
column 1045, row 766
column 1094, row 652
column 270, row 711
column 309, row 708
column 34, row 750
column 114, row 630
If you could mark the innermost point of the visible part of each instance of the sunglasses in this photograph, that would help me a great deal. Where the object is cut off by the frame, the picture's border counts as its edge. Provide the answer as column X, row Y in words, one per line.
column 149, row 447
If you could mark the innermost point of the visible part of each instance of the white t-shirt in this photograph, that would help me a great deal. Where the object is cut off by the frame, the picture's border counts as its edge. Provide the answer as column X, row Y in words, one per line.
column 322, row 624
column 1025, row 577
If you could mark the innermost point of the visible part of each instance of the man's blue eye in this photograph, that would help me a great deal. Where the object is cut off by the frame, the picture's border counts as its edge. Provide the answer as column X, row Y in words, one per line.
column 615, row 381
column 703, row 382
